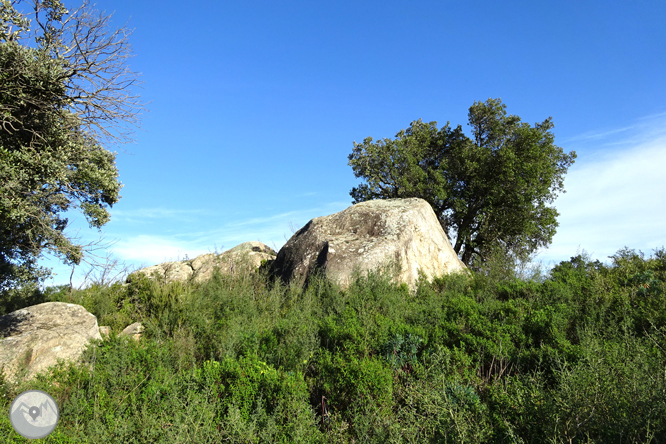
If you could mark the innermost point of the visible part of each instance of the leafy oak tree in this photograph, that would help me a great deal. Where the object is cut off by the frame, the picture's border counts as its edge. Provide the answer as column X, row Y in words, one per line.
column 489, row 192
column 65, row 89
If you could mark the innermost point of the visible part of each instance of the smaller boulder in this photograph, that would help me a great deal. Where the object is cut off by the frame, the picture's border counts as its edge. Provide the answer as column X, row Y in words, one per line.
column 170, row 271
column 247, row 256
column 133, row 330
column 35, row 338
column 105, row 331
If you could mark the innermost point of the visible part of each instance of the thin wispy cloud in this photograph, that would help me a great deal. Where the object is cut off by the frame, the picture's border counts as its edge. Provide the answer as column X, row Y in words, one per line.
column 148, row 214
column 270, row 230
column 652, row 118
column 597, row 135
column 268, row 219
column 645, row 130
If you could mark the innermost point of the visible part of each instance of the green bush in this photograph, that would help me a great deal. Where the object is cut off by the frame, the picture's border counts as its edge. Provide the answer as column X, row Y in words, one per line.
column 486, row 357
column 443, row 405
column 347, row 380
column 614, row 393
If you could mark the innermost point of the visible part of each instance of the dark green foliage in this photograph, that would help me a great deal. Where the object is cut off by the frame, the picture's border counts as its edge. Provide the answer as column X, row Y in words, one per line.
column 23, row 296
column 577, row 357
column 59, row 97
column 490, row 192
column 347, row 380
column 401, row 351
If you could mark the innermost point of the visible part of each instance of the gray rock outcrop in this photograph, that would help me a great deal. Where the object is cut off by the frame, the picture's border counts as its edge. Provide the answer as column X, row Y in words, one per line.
column 244, row 257
column 367, row 236
column 34, row 338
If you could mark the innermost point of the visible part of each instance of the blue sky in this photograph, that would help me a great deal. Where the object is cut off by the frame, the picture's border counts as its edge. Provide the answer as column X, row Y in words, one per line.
column 254, row 108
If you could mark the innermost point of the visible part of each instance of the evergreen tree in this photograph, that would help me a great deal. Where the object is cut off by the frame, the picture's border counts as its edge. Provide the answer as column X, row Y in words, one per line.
column 489, row 192
column 65, row 89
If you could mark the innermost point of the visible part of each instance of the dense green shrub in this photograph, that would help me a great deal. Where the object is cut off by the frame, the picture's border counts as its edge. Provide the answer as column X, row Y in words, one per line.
column 347, row 380
column 13, row 299
column 574, row 357
column 400, row 351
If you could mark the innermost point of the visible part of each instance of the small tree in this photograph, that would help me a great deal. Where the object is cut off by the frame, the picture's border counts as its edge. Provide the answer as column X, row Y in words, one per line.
column 65, row 89
column 488, row 192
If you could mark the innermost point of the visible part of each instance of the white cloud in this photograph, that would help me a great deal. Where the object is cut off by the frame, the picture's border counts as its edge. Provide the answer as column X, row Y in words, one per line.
column 644, row 130
column 152, row 249
column 136, row 248
column 615, row 197
column 272, row 230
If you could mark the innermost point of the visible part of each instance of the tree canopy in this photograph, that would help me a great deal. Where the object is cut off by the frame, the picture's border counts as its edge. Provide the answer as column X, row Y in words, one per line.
column 489, row 191
column 65, row 89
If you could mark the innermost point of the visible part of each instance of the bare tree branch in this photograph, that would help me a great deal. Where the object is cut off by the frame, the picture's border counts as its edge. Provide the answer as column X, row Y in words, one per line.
column 94, row 69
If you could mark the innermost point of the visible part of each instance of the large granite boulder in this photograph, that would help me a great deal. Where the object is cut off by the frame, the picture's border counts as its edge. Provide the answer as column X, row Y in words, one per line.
column 35, row 338
column 247, row 256
column 367, row 236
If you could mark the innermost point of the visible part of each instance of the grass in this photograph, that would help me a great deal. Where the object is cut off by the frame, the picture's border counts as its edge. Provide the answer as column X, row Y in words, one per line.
column 576, row 356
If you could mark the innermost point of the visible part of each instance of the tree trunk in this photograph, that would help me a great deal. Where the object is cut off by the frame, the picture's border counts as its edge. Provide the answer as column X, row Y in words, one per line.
column 467, row 257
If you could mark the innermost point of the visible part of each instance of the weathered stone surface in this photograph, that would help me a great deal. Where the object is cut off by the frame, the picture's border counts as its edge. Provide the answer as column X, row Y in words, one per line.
column 244, row 257
column 105, row 331
column 367, row 235
column 169, row 271
column 36, row 337
column 133, row 330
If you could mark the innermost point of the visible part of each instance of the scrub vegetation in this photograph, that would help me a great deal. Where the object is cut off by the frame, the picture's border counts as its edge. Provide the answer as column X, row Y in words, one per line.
column 575, row 355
